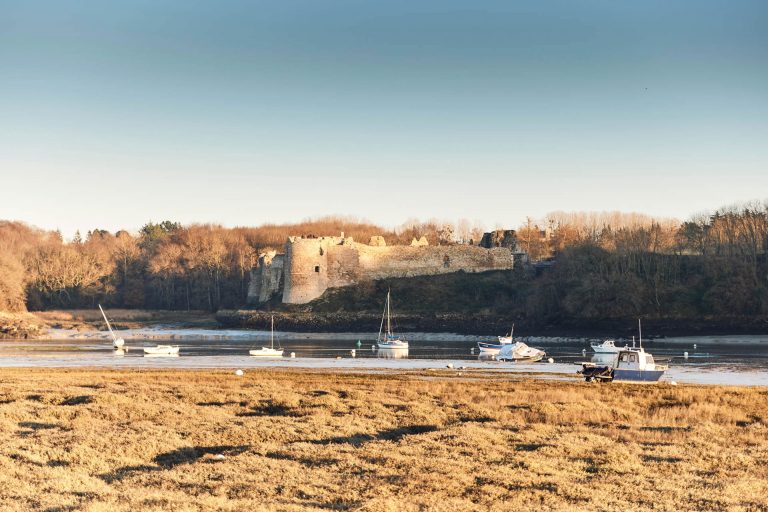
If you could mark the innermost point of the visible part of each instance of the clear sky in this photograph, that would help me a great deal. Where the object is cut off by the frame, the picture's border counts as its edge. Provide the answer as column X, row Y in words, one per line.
column 115, row 113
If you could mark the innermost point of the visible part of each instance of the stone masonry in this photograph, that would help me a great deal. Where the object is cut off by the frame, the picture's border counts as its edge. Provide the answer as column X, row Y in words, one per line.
column 312, row 265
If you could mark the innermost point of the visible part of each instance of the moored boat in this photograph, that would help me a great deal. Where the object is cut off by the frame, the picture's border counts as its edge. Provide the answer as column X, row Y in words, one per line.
column 519, row 351
column 606, row 347
column 269, row 351
column 491, row 349
column 161, row 350
column 389, row 340
column 633, row 364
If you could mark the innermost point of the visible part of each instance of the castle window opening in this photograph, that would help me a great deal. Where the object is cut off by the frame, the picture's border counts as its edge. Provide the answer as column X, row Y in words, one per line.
column 317, row 268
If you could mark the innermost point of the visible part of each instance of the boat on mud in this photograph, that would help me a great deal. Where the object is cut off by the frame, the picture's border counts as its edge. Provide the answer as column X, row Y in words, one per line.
column 520, row 352
column 492, row 349
column 165, row 350
column 632, row 364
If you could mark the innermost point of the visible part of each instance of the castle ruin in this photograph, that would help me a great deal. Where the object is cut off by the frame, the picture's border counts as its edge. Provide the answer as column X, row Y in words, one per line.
column 310, row 266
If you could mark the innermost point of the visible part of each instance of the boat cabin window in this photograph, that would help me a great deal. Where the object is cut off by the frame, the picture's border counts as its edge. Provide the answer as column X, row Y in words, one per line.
column 632, row 358
column 624, row 358
column 648, row 359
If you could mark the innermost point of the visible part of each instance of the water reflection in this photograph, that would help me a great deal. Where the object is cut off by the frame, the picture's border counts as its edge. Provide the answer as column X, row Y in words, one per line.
column 392, row 353
column 162, row 355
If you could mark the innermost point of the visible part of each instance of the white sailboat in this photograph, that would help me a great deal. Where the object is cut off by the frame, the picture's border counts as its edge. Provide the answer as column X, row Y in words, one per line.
column 269, row 351
column 117, row 343
column 388, row 340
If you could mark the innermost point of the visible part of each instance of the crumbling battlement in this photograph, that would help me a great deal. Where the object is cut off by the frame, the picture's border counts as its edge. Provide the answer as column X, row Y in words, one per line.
column 312, row 265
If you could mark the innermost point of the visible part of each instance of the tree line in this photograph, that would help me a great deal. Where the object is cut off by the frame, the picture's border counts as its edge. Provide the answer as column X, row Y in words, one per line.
column 605, row 264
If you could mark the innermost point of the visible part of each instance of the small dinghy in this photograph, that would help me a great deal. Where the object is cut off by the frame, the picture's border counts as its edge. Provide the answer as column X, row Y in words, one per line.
column 166, row 350
column 519, row 351
column 269, row 351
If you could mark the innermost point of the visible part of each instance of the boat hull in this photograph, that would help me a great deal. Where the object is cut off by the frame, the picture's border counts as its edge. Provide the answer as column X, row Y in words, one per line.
column 392, row 345
column 161, row 350
column 621, row 375
column 609, row 374
column 266, row 352
column 488, row 348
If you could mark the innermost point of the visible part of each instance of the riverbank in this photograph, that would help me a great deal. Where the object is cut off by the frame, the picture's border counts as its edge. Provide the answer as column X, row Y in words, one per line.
column 486, row 324
column 300, row 440
column 20, row 326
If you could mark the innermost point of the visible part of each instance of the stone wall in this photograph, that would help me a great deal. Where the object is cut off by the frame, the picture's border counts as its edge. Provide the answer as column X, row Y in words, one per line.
column 312, row 265
column 266, row 278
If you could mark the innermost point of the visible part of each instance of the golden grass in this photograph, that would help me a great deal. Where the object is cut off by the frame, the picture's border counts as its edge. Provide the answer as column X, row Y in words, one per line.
column 297, row 440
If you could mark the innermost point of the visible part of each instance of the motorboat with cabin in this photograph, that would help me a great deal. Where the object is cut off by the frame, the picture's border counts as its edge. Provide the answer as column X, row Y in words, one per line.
column 492, row 349
column 633, row 364
column 606, row 347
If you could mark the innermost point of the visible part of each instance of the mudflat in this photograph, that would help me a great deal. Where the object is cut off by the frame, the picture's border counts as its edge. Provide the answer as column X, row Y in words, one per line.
column 300, row 440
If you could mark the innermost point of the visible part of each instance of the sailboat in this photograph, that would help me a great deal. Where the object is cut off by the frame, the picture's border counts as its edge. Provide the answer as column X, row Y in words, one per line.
column 389, row 340
column 117, row 343
column 269, row 351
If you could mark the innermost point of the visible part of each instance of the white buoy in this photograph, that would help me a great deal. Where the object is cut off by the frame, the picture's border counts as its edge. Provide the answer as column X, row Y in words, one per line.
column 449, row 365
column 352, row 352
column 685, row 355
column 472, row 350
column 550, row 360
column 373, row 347
column 584, row 351
column 673, row 383
column 694, row 345
column 219, row 456
column 239, row 373
column 293, row 355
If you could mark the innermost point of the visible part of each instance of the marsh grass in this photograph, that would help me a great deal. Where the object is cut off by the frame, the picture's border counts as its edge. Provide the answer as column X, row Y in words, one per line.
column 296, row 440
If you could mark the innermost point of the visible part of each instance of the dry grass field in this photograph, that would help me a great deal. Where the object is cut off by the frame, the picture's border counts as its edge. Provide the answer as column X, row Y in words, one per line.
column 291, row 440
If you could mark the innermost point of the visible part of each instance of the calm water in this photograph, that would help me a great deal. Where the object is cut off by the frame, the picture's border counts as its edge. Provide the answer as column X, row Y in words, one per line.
column 741, row 360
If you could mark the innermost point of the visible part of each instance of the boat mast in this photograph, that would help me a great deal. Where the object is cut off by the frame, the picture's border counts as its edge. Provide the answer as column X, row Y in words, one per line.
column 389, row 322
column 114, row 338
column 640, row 332
column 272, row 333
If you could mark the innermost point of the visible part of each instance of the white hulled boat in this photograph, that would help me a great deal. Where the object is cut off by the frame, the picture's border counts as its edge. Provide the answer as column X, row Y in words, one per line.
column 606, row 347
column 388, row 340
column 162, row 350
column 633, row 364
column 519, row 351
column 491, row 349
column 269, row 351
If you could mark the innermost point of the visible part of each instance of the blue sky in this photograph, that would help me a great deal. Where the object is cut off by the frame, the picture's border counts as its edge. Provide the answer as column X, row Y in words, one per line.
column 115, row 113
